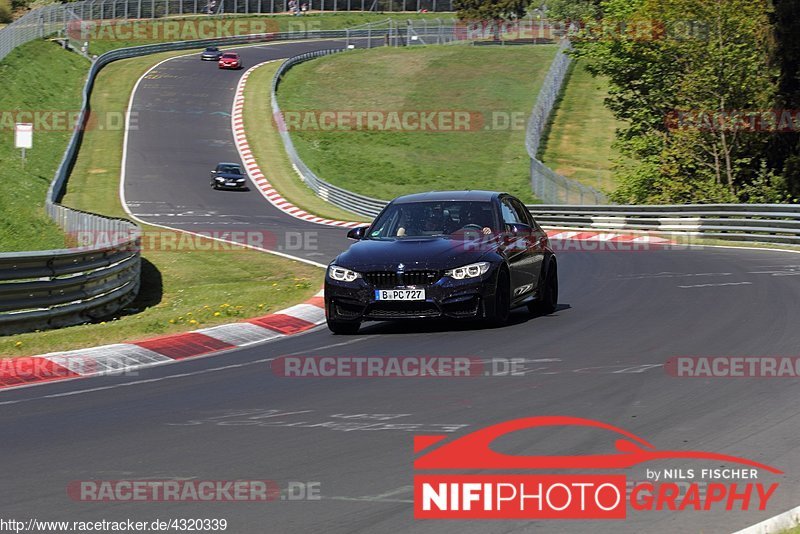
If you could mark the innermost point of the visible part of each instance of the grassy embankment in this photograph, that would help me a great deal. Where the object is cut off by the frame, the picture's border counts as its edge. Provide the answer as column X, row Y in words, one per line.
column 578, row 142
column 496, row 85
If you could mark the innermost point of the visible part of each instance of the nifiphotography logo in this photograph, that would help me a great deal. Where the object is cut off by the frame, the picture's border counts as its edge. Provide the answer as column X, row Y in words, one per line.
column 574, row 496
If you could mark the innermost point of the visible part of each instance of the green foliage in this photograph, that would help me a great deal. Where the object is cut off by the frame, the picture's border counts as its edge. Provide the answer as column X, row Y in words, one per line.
column 583, row 10
column 784, row 150
column 704, row 57
column 5, row 11
column 766, row 188
column 490, row 9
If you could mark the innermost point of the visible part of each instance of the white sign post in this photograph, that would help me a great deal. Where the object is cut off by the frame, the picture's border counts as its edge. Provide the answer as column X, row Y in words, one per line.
column 23, row 137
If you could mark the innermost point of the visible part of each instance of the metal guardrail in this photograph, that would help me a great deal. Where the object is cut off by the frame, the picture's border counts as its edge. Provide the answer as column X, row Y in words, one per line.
column 338, row 196
column 768, row 223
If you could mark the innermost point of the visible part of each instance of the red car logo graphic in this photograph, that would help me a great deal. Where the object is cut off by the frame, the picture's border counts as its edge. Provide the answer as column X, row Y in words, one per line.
column 474, row 451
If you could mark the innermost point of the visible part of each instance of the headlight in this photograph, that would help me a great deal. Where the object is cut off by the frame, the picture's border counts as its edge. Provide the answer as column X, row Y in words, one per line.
column 472, row 270
column 342, row 274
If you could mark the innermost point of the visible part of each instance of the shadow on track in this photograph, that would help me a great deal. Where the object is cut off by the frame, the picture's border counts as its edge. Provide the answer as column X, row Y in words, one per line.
column 427, row 326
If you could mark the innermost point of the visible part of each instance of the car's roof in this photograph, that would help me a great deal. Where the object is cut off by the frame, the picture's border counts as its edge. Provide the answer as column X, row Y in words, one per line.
column 432, row 196
column 230, row 54
column 224, row 163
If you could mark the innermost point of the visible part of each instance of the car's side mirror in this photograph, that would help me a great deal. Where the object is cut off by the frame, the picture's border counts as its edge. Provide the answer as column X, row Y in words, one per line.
column 519, row 229
column 213, row 172
column 357, row 233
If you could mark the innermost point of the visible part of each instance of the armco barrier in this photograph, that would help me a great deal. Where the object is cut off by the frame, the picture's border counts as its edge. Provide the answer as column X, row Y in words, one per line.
column 360, row 204
column 768, row 223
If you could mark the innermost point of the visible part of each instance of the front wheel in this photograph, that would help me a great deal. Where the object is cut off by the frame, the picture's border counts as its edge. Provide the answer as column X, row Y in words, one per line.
column 548, row 293
column 346, row 328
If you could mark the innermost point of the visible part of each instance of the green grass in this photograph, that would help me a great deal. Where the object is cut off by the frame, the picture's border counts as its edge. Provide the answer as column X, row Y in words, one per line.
column 109, row 39
column 268, row 149
column 36, row 77
column 578, row 143
column 181, row 289
column 487, row 81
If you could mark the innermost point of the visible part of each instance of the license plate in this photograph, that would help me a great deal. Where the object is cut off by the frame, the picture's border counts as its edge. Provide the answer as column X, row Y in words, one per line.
column 231, row 184
column 399, row 294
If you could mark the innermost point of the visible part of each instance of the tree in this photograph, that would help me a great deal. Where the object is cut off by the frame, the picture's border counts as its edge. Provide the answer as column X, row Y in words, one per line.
column 573, row 10
column 784, row 148
column 490, row 11
column 700, row 58
column 5, row 11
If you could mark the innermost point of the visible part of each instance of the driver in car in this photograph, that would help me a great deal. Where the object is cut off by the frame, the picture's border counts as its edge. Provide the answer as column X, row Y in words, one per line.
column 480, row 218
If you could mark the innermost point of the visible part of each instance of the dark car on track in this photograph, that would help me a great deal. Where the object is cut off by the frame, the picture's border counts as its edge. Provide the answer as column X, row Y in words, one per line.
column 230, row 60
column 228, row 176
column 212, row 53
column 453, row 254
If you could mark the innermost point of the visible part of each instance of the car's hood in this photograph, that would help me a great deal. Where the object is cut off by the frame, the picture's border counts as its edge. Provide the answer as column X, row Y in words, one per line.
column 413, row 253
column 228, row 176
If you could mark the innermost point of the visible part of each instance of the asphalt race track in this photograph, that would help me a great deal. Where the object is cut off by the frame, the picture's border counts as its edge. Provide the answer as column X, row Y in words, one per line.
column 183, row 129
column 229, row 417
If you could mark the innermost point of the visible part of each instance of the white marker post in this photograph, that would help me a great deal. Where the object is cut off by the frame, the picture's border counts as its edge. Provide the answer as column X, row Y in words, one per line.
column 23, row 137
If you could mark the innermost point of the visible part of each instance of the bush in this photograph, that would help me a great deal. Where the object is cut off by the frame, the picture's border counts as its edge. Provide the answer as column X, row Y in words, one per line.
column 5, row 11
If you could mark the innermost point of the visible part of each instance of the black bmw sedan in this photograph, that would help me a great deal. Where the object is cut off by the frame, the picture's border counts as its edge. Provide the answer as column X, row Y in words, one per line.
column 228, row 176
column 454, row 254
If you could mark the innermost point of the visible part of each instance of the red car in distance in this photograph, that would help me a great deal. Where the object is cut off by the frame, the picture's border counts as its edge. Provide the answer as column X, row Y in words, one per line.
column 230, row 60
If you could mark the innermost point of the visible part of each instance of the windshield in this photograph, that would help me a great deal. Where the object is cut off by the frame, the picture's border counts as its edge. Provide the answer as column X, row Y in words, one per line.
column 212, row 49
column 229, row 169
column 426, row 219
column 229, row 56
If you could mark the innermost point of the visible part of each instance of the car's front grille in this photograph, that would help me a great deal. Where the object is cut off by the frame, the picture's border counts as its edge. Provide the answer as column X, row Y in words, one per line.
column 399, row 310
column 381, row 278
column 386, row 279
